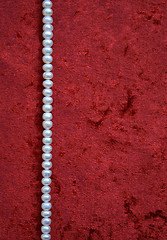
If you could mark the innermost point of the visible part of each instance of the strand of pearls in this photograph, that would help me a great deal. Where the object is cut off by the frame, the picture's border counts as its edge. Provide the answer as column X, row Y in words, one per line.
column 47, row 117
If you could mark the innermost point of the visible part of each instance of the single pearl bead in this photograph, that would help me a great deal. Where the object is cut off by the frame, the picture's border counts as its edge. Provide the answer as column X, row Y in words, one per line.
column 47, row 59
column 46, row 156
column 46, row 165
column 47, row 140
column 47, row 92
column 47, row 12
column 47, row 27
column 46, row 206
column 47, row 67
column 47, row 83
column 46, row 197
column 47, row 42
column 47, row 100
column 45, row 229
column 47, row 19
column 45, row 236
column 45, row 189
column 47, row 108
column 47, row 133
column 47, row 34
column 47, row 116
column 47, row 148
column 47, row 124
column 47, row 4
column 46, row 173
column 46, row 181
column 46, row 221
column 47, row 50
column 46, row 213
column 47, row 75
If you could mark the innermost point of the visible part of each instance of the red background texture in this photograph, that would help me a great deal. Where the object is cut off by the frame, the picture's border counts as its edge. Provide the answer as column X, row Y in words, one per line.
column 109, row 115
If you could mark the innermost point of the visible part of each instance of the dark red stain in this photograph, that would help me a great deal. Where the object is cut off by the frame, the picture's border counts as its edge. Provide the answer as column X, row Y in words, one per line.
column 110, row 120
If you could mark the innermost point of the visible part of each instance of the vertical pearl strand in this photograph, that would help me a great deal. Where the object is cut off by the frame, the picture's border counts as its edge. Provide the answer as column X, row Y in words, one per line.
column 47, row 117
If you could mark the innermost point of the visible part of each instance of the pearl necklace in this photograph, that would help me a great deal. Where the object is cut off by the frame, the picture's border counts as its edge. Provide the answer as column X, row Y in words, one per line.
column 47, row 117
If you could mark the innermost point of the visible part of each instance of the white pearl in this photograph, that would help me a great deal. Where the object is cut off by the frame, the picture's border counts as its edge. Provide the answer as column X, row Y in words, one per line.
column 47, row 83
column 46, row 213
column 47, row 133
column 46, row 197
column 47, row 108
column 45, row 236
column 47, row 124
column 47, row 43
column 46, row 165
column 47, row 156
column 47, row 140
column 47, row 92
column 47, row 19
column 47, row 59
column 45, row 189
column 47, row 4
column 47, row 116
column 47, row 100
column 46, row 221
column 47, row 12
column 46, row 206
column 47, row 148
column 46, row 173
column 45, row 229
column 47, row 34
column 46, row 181
column 47, row 67
column 47, row 50
column 47, row 27
column 47, row 75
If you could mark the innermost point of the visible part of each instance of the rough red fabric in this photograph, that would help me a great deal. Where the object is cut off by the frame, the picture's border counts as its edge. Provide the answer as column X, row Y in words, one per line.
column 110, row 120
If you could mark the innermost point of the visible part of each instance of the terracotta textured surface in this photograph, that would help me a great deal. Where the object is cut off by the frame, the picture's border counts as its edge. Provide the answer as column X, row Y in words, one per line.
column 110, row 120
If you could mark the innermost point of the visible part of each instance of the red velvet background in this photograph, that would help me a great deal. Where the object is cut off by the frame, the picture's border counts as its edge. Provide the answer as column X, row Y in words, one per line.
column 110, row 120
